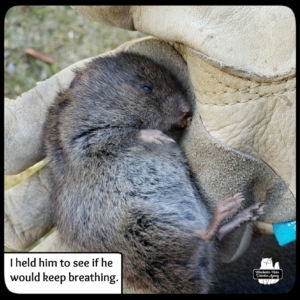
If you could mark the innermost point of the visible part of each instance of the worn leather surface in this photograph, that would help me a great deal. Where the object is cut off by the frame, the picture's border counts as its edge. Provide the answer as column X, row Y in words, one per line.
column 26, row 211
column 24, row 119
column 247, row 38
column 238, row 65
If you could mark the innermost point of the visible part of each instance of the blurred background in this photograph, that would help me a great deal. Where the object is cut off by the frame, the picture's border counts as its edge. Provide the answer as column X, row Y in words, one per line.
column 39, row 41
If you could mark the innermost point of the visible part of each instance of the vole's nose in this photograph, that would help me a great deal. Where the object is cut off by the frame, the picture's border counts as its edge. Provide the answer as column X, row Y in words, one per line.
column 184, row 105
column 185, row 111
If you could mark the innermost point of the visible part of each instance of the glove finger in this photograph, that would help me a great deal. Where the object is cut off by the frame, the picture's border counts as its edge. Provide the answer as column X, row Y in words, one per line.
column 24, row 121
column 27, row 211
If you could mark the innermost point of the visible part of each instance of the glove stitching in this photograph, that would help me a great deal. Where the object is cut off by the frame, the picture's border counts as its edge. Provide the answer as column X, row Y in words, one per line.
column 244, row 90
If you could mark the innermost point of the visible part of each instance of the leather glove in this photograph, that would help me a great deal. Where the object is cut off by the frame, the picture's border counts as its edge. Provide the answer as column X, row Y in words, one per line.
column 238, row 65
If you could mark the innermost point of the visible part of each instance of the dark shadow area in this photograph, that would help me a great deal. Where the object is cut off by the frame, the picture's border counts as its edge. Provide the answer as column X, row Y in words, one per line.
column 237, row 277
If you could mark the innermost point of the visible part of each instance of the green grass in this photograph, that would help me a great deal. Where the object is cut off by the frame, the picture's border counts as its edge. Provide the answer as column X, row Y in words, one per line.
column 58, row 32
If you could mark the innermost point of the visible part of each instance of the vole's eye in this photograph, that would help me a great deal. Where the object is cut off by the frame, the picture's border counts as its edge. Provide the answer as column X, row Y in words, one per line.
column 147, row 88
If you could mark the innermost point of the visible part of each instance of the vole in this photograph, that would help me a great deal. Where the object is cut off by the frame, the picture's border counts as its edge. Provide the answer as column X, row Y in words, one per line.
column 121, row 182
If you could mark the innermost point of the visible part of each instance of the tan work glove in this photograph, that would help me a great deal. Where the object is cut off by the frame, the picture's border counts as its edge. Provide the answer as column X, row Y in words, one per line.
column 238, row 64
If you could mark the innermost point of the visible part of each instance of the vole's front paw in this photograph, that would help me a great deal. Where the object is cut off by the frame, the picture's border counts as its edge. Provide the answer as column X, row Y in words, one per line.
column 153, row 136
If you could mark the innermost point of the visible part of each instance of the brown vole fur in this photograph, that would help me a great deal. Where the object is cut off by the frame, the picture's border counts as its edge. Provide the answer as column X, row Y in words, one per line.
column 121, row 184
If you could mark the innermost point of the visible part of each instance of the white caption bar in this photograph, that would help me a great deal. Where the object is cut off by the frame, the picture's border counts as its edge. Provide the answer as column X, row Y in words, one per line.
column 47, row 273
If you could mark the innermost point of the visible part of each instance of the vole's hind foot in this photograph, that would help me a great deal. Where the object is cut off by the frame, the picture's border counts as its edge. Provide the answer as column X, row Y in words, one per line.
column 224, row 210
column 250, row 213
column 153, row 136
column 228, row 207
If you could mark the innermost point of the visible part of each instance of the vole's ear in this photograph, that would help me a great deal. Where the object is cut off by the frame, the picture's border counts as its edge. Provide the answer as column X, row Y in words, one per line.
column 74, row 82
